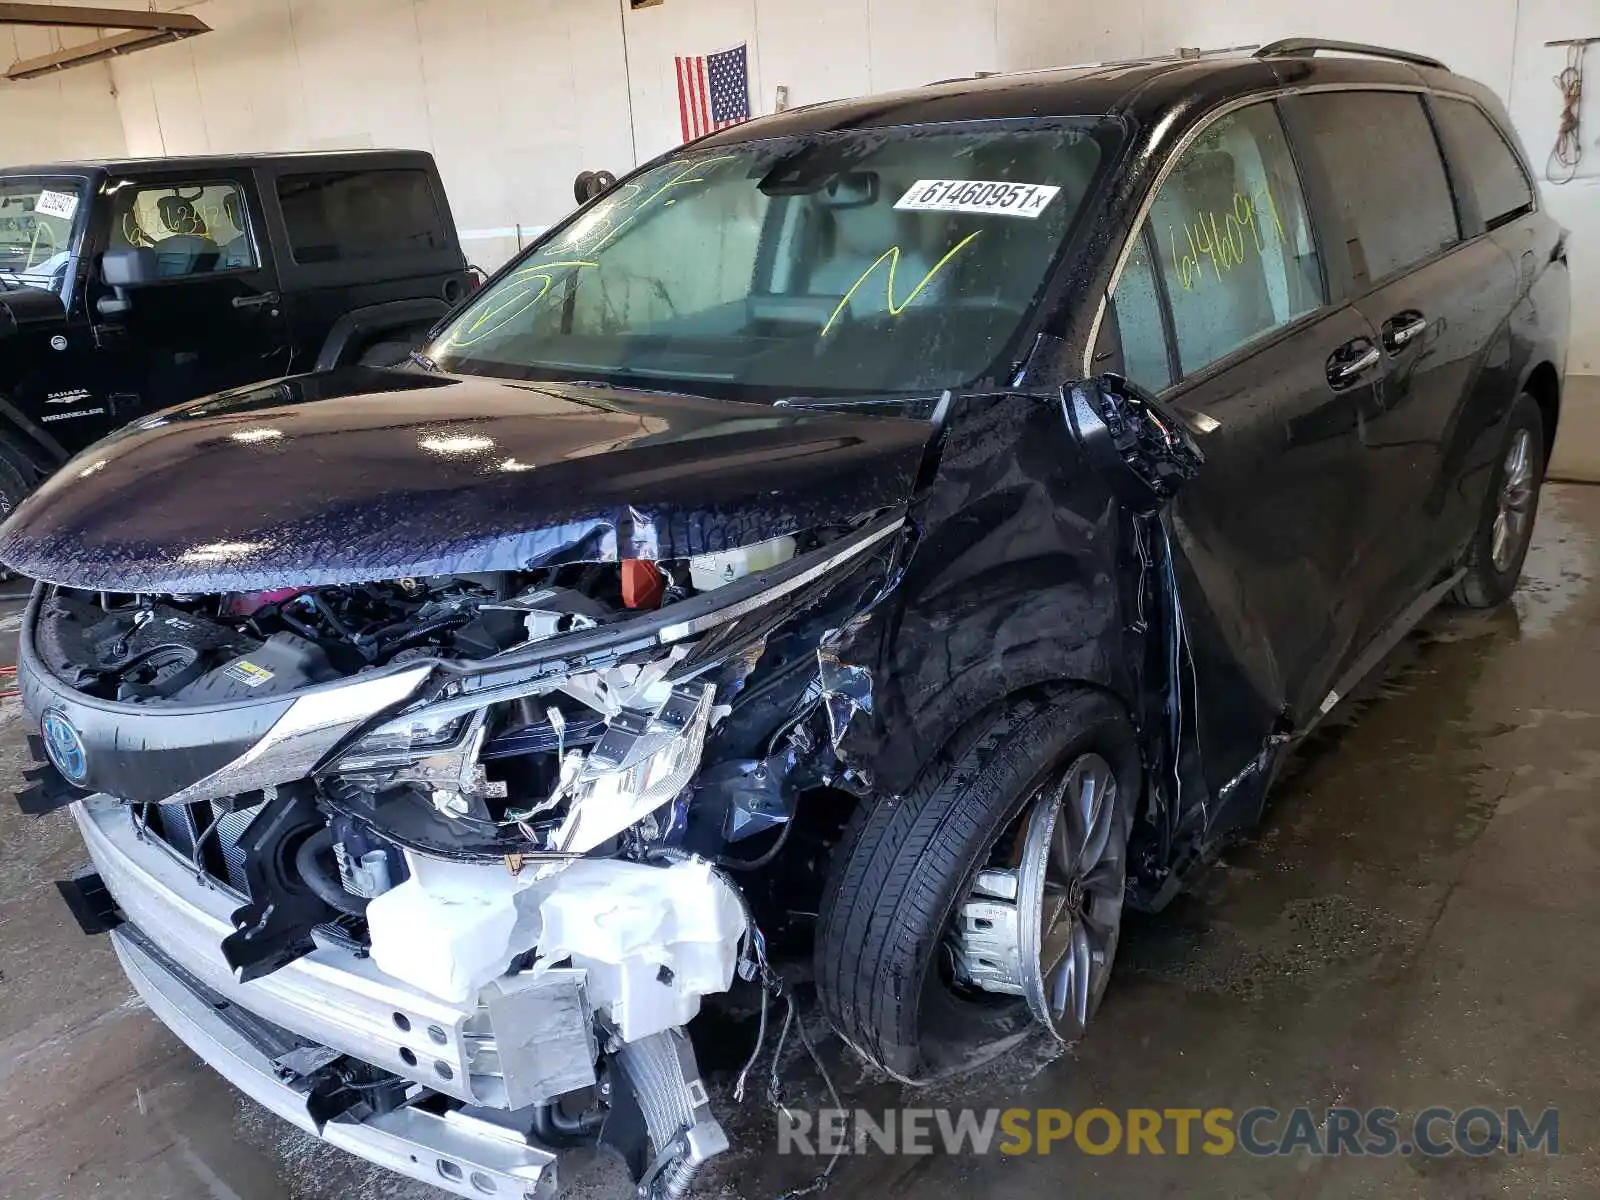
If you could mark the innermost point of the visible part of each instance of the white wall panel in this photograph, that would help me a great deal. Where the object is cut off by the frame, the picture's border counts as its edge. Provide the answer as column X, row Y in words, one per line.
column 818, row 50
column 1477, row 45
column 71, row 115
column 1033, row 34
column 1536, row 109
column 914, row 42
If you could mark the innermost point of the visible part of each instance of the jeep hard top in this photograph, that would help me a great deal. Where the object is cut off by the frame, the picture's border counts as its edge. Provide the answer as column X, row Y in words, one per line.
column 130, row 285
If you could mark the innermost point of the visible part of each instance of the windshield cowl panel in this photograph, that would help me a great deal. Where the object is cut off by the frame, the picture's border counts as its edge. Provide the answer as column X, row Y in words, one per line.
column 857, row 263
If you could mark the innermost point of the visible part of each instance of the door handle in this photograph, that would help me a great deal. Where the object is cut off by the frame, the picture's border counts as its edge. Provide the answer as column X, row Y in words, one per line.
column 1351, row 361
column 1402, row 329
column 255, row 301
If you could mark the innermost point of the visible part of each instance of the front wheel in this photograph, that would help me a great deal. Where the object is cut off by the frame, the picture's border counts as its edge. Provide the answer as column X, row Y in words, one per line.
column 990, row 898
column 1505, row 529
column 14, row 483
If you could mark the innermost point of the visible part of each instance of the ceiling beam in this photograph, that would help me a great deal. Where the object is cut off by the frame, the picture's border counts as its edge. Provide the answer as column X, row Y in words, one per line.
column 83, row 53
column 143, row 30
column 76, row 17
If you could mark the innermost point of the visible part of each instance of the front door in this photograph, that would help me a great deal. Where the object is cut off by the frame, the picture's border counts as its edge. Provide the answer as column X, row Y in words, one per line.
column 1222, row 308
column 212, row 317
column 50, row 385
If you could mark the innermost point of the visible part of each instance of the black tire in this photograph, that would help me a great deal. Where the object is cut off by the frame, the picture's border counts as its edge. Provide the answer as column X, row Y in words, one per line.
column 1486, row 585
column 904, row 865
column 14, row 485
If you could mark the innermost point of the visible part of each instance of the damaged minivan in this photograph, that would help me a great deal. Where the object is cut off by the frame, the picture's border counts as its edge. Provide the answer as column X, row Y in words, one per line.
column 911, row 529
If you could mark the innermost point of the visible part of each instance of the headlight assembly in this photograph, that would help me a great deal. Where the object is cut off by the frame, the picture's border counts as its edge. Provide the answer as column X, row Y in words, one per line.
column 640, row 764
column 406, row 738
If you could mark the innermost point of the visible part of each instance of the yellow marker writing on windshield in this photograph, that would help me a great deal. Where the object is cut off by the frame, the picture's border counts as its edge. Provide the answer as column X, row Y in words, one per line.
column 892, row 257
column 517, row 301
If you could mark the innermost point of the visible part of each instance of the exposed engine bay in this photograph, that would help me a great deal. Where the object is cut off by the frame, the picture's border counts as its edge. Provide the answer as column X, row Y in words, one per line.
column 467, row 781
column 576, row 764
column 201, row 650
column 457, row 840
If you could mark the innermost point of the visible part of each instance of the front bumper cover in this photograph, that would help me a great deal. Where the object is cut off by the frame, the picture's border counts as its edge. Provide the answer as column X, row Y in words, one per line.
column 174, row 921
column 170, row 918
column 329, row 996
column 454, row 1151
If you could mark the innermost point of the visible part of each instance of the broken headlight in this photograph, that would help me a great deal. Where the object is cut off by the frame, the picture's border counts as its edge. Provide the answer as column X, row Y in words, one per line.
column 643, row 762
column 397, row 742
column 595, row 740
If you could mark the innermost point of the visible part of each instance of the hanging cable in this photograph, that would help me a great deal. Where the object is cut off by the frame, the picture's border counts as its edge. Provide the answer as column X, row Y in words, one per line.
column 1567, row 153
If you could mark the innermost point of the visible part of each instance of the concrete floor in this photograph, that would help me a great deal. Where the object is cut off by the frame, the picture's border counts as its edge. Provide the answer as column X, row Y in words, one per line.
column 1414, row 925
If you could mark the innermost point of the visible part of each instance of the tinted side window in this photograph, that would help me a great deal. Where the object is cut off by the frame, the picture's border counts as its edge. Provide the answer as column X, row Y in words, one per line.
column 1233, row 245
column 344, row 215
column 1491, row 168
column 1387, row 177
column 195, row 228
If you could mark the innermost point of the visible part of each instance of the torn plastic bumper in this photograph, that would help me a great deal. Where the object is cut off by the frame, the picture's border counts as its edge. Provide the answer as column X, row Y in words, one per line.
column 328, row 996
column 453, row 1150
column 645, row 943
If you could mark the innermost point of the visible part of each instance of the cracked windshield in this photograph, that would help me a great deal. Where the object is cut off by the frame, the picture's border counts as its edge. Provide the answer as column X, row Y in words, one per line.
column 844, row 263
column 36, row 219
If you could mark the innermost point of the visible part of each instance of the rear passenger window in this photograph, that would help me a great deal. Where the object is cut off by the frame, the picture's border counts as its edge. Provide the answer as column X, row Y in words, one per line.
column 345, row 215
column 1493, row 174
column 1233, row 248
column 1387, row 177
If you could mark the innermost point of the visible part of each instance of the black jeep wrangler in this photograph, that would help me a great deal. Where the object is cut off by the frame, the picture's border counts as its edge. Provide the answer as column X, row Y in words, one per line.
column 133, row 285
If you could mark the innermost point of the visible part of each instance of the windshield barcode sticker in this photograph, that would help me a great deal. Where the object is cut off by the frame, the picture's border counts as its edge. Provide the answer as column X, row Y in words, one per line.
column 56, row 204
column 978, row 196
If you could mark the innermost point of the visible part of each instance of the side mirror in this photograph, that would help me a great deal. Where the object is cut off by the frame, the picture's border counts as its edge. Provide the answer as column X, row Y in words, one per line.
column 1144, row 448
column 128, row 267
column 121, row 269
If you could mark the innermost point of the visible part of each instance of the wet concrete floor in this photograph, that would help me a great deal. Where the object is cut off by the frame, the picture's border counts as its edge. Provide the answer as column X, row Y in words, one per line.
column 1413, row 925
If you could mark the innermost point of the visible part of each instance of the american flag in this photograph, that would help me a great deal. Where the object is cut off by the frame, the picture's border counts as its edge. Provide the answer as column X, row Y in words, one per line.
column 713, row 91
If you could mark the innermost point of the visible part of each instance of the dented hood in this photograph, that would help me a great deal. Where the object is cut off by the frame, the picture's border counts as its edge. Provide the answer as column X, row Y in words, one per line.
column 360, row 475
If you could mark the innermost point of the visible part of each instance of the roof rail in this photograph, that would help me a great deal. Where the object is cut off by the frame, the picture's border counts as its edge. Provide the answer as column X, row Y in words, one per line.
column 1181, row 54
column 1306, row 47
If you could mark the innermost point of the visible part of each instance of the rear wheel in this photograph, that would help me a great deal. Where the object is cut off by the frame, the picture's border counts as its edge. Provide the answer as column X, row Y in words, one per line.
column 1500, row 543
column 988, row 899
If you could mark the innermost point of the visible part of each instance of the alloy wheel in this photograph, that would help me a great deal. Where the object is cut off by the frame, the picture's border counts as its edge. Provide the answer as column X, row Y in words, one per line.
column 1514, row 505
column 1070, row 888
